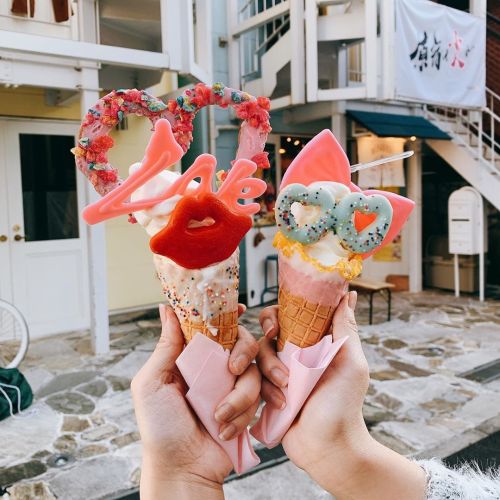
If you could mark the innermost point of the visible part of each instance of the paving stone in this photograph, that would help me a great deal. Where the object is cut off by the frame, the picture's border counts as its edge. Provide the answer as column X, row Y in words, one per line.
column 100, row 433
column 125, row 439
column 469, row 361
column 74, row 424
column 66, row 381
column 26, row 470
column 388, row 401
column 118, row 409
column 129, row 365
column 427, row 351
column 416, row 435
column 37, row 377
column 293, row 484
column 117, row 330
column 71, row 402
column 374, row 414
column 439, row 405
column 98, row 477
column 386, row 375
column 97, row 418
column 55, row 354
column 91, row 451
column 30, row 491
column 96, row 388
column 147, row 346
column 412, row 370
column 483, row 407
column 119, row 383
column 65, row 443
column 132, row 452
column 128, row 340
column 21, row 437
column 135, row 477
column 41, row 454
column 394, row 344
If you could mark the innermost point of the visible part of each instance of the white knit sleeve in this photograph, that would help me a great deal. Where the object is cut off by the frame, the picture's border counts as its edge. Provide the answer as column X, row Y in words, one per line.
column 464, row 483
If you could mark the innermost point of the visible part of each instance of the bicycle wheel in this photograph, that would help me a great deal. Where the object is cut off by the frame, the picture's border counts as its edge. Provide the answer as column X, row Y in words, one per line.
column 14, row 336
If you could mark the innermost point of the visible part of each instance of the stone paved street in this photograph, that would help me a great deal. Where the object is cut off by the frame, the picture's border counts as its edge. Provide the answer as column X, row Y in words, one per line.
column 79, row 439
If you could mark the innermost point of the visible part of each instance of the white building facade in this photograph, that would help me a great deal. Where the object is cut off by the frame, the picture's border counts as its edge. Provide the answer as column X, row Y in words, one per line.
column 382, row 75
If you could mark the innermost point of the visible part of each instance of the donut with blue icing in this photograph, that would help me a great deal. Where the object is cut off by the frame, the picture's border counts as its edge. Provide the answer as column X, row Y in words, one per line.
column 372, row 235
column 310, row 232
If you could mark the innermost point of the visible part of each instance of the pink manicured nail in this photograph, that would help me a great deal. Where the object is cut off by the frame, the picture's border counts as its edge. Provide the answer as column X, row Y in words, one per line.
column 240, row 363
column 227, row 432
column 267, row 326
column 223, row 413
column 279, row 377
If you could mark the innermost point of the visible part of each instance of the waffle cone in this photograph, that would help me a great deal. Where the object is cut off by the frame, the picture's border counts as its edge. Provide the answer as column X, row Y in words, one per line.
column 225, row 325
column 302, row 323
column 205, row 300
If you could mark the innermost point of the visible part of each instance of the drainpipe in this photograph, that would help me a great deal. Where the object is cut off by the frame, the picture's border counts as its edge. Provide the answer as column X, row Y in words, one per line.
column 415, row 220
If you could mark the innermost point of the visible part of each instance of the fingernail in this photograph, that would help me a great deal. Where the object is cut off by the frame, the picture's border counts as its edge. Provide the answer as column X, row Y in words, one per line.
column 353, row 299
column 280, row 377
column 267, row 326
column 279, row 401
column 227, row 432
column 243, row 308
column 240, row 363
column 223, row 413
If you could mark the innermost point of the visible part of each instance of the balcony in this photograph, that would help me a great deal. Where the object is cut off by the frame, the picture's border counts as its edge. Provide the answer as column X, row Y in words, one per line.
column 295, row 54
column 127, row 40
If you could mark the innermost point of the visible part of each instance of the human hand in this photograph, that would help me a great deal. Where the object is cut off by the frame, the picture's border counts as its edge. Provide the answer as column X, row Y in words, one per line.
column 180, row 459
column 335, row 405
column 329, row 438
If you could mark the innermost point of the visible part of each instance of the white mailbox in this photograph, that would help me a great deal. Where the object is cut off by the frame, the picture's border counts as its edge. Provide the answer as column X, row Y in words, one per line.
column 466, row 230
column 465, row 217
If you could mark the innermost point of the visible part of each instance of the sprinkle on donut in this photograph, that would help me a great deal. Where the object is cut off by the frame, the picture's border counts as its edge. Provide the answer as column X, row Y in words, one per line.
column 94, row 141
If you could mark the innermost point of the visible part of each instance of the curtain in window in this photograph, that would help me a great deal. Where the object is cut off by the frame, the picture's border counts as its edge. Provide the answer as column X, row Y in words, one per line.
column 61, row 14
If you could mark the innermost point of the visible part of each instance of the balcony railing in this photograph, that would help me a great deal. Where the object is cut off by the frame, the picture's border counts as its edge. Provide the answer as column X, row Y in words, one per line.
column 40, row 19
column 147, row 36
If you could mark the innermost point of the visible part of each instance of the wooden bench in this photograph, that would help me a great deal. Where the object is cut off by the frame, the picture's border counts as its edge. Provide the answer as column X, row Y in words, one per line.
column 370, row 287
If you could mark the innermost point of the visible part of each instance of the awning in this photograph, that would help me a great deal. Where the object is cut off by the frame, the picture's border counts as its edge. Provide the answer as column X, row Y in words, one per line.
column 390, row 125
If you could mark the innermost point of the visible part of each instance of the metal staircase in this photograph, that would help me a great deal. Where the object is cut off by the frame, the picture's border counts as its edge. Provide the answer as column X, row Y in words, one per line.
column 474, row 151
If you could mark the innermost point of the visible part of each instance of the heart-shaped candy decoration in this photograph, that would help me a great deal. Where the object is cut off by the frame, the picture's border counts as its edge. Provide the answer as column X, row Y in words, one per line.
column 370, row 236
column 309, row 232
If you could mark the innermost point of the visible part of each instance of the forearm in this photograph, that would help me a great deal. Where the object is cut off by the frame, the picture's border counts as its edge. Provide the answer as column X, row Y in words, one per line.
column 367, row 470
column 178, row 486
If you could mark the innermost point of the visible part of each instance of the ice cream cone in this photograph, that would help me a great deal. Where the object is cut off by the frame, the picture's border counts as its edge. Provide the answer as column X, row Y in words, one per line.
column 306, row 304
column 205, row 300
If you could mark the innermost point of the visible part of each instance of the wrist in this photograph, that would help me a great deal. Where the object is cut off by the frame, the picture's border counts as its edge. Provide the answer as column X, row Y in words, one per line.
column 349, row 448
column 165, row 483
column 369, row 470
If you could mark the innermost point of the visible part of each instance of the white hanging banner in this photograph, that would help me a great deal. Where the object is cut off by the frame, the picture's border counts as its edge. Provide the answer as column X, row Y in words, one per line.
column 374, row 148
column 440, row 54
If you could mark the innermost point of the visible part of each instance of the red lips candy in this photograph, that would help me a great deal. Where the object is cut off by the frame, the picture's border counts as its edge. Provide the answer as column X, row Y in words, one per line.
column 199, row 247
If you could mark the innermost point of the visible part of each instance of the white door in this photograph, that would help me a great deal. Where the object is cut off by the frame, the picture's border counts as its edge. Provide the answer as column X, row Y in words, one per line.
column 43, row 259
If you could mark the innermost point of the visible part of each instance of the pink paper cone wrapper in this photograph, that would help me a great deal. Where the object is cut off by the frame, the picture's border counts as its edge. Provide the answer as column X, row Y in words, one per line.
column 305, row 365
column 204, row 366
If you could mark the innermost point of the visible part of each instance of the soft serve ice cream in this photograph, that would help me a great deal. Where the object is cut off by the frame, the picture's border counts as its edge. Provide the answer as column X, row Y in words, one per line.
column 204, row 294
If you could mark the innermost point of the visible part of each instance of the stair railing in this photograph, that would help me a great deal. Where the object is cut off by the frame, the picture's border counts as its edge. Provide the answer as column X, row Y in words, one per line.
column 466, row 127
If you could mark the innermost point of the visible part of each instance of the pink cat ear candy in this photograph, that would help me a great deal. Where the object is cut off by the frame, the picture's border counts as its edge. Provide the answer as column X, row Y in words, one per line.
column 364, row 223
